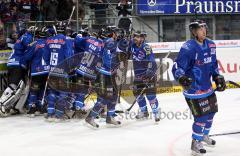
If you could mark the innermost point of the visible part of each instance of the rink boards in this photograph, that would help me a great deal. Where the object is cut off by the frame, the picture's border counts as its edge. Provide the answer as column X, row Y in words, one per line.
column 228, row 54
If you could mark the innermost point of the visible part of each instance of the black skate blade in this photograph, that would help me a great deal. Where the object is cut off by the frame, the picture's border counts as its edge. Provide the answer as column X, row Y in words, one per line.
column 91, row 126
column 207, row 145
column 194, row 153
column 109, row 125
column 157, row 120
column 142, row 119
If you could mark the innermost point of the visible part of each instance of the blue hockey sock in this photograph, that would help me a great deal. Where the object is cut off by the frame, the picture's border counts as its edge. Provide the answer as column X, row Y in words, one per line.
column 208, row 124
column 198, row 127
column 153, row 103
column 79, row 102
column 32, row 99
column 97, row 108
column 51, row 99
column 142, row 103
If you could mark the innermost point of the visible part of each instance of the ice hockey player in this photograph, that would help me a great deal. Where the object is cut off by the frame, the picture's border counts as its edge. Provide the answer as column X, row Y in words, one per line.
column 91, row 50
column 39, row 71
column 15, row 93
column 194, row 67
column 58, row 49
column 114, row 51
column 144, row 67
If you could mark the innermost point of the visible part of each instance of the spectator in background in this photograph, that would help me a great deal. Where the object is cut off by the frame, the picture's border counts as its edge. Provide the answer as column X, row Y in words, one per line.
column 3, row 44
column 4, row 11
column 25, row 9
column 100, row 7
column 125, row 9
column 35, row 9
column 81, row 10
column 50, row 10
column 64, row 9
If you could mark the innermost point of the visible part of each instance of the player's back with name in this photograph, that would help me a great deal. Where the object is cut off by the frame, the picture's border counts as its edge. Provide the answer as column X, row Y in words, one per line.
column 91, row 50
column 57, row 50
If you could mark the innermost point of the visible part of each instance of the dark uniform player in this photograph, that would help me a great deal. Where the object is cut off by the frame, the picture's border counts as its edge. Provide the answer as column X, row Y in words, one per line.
column 114, row 51
column 194, row 67
column 16, row 72
column 144, row 67
column 39, row 71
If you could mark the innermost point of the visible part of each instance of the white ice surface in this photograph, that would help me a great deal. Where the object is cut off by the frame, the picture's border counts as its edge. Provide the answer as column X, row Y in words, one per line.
column 23, row 136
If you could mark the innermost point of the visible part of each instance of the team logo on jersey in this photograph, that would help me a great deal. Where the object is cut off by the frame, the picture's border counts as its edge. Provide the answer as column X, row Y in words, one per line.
column 152, row 2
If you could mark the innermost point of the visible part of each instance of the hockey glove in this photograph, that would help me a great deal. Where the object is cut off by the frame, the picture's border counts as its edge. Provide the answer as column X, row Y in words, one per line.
column 185, row 82
column 220, row 83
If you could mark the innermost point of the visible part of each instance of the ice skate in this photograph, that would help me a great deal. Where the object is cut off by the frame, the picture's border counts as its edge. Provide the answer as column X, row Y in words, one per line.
column 90, row 120
column 156, row 116
column 50, row 118
column 197, row 148
column 110, row 120
column 142, row 115
column 80, row 113
column 34, row 111
column 208, row 141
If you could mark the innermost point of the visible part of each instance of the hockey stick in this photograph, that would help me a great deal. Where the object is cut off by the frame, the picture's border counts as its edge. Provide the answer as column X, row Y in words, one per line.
column 222, row 134
column 44, row 92
column 69, row 20
column 233, row 83
column 143, row 90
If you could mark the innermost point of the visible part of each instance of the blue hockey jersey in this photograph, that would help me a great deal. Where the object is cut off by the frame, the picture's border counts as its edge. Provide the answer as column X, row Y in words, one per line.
column 199, row 63
column 143, row 60
column 88, row 43
column 70, row 44
column 110, row 59
column 34, row 55
column 58, row 49
column 20, row 47
column 91, row 50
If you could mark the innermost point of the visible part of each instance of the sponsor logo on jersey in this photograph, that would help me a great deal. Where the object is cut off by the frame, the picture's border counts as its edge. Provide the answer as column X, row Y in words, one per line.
column 86, row 70
column 94, row 42
column 57, row 46
column 61, row 41
column 207, row 60
column 38, row 46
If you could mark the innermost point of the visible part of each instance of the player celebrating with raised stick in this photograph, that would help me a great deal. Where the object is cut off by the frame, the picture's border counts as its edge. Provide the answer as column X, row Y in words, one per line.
column 194, row 67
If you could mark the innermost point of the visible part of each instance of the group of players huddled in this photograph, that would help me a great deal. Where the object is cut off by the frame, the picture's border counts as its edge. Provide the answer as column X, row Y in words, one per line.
column 57, row 59
column 41, row 50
